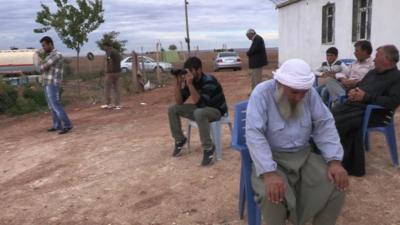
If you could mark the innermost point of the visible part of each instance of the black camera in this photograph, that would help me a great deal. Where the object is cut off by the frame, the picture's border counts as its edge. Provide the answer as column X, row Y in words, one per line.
column 178, row 72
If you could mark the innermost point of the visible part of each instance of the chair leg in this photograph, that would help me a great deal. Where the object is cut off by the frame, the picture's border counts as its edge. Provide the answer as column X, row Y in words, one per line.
column 258, row 216
column 366, row 141
column 188, row 138
column 242, row 195
column 216, row 134
column 391, row 140
column 253, row 213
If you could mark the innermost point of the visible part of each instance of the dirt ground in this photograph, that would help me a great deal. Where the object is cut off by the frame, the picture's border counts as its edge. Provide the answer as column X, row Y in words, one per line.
column 115, row 168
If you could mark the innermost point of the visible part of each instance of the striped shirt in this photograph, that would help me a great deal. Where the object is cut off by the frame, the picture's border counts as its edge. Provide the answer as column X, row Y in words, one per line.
column 52, row 68
column 210, row 91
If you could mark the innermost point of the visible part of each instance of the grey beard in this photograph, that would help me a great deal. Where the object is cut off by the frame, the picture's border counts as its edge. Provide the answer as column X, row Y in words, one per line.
column 288, row 111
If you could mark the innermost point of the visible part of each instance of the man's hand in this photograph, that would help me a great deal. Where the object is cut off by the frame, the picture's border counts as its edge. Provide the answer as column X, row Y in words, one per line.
column 345, row 82
column 189, row 77
column 349, row 83
column 179, row 80
column 338, row 175
column 330, row 74
column 276, row 187
column 356, row 95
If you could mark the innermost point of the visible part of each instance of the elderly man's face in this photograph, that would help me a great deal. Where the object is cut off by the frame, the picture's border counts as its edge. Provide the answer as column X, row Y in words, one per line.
column 289, row 101
column 249, row 36
column 381, row 61
column 293, row 96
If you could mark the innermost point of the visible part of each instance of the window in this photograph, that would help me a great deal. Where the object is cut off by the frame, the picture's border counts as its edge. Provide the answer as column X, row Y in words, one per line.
column 361, row 20
column 328, row 23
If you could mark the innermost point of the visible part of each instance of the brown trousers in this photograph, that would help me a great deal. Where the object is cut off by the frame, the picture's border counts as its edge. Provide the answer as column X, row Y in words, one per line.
column 111, row 82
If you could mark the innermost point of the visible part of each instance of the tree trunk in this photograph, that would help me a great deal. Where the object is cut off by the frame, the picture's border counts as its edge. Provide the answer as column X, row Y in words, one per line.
column 135, row 82
column 77, row 73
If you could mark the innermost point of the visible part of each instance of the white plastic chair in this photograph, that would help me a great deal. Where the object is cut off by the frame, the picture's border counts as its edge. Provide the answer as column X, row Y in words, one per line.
column 215, row 128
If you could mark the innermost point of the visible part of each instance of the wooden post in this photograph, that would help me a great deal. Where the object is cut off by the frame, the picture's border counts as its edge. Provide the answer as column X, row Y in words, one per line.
column 135, row 65
column 143, row 70
column 158, row 63
column 182, row 52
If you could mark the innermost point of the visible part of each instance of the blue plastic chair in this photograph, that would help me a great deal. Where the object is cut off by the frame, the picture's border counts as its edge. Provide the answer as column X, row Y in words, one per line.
column 387, row 130
column 215, row 128
column 246, row 190
column 347, row 62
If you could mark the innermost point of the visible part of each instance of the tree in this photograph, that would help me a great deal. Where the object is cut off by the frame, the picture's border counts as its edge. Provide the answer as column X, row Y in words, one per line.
column 110, row 39
column 172, row 47
column 72, row 24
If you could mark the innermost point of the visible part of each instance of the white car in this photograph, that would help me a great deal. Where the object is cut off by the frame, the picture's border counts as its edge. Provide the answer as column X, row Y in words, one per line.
column 227, row 60
column 150, row 65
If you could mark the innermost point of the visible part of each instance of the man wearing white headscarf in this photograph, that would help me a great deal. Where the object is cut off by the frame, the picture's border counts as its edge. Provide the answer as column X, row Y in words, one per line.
column 295, row 148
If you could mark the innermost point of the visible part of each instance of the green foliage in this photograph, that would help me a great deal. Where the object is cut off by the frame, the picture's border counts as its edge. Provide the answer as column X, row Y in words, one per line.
column 32, row 100
column 72, row 24
column 37, row 95
column 172, row 47
column 8, row 97
column 23, row 106
column 110, row 39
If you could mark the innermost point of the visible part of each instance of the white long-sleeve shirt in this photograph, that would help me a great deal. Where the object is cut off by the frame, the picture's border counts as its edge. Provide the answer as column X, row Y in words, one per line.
column 267, row 131
column 357, row 70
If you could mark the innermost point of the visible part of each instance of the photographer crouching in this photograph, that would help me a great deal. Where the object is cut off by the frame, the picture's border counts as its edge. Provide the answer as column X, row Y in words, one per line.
column 208, row 106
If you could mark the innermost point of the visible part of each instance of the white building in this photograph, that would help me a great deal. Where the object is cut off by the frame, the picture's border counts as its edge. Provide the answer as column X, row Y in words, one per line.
column 308, row 27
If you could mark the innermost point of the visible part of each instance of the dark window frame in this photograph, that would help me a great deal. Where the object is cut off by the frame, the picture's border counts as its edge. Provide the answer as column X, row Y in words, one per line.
column 362, row 12
column 328, row 24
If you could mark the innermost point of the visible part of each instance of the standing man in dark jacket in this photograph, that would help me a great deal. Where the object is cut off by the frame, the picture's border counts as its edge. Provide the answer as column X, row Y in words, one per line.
column 113, row 70
column 208, row 105
column 257, row 57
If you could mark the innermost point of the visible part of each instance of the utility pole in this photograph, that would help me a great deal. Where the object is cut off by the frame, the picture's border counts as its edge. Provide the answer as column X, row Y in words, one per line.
column 187, row 39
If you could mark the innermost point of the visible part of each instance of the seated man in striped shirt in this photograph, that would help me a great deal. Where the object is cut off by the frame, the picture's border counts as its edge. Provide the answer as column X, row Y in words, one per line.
column 208, row 105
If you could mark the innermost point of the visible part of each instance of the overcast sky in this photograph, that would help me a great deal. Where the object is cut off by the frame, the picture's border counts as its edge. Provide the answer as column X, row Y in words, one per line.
column 142, row 22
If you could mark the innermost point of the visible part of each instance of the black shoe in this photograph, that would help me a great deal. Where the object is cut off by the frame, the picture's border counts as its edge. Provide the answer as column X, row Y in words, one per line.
column 178, row 147
column 52, row 129
column 65, row 130
column 208, row 157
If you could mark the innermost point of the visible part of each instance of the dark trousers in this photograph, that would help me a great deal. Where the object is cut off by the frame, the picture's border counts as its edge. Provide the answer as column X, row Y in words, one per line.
column 111, row 82
column 348, row 123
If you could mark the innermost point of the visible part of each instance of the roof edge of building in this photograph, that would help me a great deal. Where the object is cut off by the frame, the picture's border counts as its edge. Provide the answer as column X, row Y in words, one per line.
column 290, row 2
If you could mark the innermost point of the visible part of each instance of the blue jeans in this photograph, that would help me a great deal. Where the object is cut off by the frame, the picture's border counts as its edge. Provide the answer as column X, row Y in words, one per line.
column 60, row 118
column 323, row 92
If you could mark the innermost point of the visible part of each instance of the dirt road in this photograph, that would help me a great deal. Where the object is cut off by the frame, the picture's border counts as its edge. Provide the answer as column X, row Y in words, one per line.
column 116, row 168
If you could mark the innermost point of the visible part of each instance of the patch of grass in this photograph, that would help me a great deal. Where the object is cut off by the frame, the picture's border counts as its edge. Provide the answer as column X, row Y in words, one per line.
column 8, row 97
column 24, row 106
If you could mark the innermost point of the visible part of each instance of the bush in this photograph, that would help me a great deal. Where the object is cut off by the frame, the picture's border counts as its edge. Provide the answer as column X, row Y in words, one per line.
column 24, row 106
column 36, row 95
column 8, row 97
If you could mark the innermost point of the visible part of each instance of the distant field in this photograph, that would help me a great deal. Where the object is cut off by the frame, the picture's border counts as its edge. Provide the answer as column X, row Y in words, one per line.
column 206, row 57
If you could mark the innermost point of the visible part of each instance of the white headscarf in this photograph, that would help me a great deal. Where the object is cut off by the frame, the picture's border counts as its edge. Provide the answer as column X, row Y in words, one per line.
column 296, row 74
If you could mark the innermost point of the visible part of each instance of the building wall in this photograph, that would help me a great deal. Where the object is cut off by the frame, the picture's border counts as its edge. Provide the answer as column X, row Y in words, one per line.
column 300, row 29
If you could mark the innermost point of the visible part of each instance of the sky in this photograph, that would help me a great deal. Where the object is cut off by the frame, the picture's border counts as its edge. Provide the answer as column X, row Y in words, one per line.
column 212, row 23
